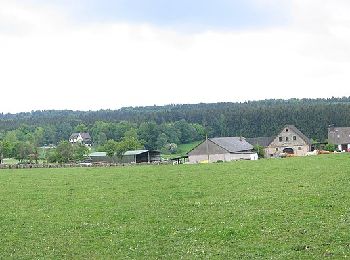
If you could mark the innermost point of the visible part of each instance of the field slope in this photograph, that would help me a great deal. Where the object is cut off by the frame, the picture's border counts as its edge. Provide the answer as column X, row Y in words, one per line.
column 283, row 209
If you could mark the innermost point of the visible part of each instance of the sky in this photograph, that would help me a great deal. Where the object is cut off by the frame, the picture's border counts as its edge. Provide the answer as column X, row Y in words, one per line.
column 104, row 54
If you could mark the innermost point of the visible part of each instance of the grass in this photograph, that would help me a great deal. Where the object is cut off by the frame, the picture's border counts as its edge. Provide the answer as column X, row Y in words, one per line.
column 297, row 208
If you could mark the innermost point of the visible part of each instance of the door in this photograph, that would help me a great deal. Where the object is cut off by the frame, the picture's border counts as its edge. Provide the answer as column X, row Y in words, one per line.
column 288, row 150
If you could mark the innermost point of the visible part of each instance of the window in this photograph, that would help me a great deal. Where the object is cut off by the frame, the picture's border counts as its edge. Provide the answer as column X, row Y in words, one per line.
column 287, row 130
column 294, row 138
column 287, row 139
column 280, row 138
column 299, row 148
column 277, row 149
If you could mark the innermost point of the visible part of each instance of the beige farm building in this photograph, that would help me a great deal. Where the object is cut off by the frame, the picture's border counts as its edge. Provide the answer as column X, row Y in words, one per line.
column 222, row 149
column 291, row 141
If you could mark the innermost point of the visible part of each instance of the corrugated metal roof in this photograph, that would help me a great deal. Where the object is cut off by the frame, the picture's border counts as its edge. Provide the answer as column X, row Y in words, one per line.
column 136, row 152
column 232, row 144
column 98, row 154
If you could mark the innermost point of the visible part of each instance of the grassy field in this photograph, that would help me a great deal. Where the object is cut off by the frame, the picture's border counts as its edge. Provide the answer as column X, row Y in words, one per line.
column 297, row 208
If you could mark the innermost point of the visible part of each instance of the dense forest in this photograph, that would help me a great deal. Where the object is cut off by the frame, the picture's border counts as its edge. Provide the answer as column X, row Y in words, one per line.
column 157, row 126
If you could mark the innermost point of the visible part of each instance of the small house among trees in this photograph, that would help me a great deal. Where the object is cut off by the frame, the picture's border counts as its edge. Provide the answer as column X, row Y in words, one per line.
column 82, row 138
column 222, row 149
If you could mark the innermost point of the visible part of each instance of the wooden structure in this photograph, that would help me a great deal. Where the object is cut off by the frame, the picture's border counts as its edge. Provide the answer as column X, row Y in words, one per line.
column 137, row 156
column 141, row 156
column 180, row 159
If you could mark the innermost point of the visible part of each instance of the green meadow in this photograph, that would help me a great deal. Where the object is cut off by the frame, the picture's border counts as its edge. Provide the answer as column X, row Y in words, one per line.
column 295, row 208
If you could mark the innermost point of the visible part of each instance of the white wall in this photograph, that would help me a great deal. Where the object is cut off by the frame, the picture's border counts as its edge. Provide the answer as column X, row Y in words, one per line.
column 221, row 157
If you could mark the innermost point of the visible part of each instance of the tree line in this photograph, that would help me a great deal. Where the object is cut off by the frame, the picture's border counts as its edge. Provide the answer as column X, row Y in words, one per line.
column 111, row 137
column 164, row 127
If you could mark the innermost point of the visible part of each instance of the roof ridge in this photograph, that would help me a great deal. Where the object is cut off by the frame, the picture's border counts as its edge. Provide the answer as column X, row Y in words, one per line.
column 210, row 139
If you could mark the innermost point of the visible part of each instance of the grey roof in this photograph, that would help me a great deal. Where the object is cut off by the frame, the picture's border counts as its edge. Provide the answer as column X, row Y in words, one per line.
column 339, row 135
column 262, row 141
column 298, row 132
column 85, row 136
column 232, row 144
column 136, row 152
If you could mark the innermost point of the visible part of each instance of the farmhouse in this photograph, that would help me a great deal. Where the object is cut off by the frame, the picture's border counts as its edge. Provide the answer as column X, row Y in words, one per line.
column 222, row 149
column 340, row 136
column 83, row 138
column 290, row 140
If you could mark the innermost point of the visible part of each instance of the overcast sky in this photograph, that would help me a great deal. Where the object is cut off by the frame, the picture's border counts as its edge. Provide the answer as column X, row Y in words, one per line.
column 106, row 54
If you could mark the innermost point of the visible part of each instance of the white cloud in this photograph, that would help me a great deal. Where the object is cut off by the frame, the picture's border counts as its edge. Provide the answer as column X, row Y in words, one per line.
column 55, row 65
column 26, row 18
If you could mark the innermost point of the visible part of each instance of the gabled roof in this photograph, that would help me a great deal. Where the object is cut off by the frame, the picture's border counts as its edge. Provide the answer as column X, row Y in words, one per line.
column 298, row 132
column 74, row 136
column 232, row 144
column 262, row 141
column 339, row 135
column 85, row 136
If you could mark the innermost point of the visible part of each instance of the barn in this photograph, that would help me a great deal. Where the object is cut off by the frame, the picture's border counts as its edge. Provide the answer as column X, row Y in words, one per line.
column 137, row 156
column 340, row 136
column 222, row 149
column 141, row 156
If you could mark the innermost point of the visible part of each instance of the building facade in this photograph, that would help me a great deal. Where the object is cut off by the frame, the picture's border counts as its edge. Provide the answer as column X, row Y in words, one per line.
column 222, row 149
column 289, row 141
column 340, row 136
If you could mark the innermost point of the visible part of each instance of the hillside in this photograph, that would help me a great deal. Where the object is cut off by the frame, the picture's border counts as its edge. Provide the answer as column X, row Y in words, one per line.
column 250, row 119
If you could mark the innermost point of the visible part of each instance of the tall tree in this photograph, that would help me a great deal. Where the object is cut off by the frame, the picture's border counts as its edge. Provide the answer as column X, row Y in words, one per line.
column 64, row 152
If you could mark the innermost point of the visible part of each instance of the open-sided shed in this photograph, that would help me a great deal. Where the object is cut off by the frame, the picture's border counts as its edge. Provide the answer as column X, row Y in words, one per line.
column 141, row 156
column 137, row 156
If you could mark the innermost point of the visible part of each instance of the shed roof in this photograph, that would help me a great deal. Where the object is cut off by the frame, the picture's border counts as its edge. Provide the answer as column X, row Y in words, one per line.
column 136, row 152
column 339, row 135
column 98, row 154
column 232, row 144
